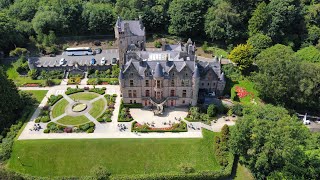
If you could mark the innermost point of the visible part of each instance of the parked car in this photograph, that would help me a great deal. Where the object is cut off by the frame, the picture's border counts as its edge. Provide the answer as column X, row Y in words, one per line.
column 212, row 94
column 103, row 61
column 62, row 60
column 93, row 61
column 98, row 51
column 114, row 61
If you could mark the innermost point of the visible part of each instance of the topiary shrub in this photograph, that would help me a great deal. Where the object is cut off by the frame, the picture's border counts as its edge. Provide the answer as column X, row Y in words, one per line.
column 100, row 173
column 46, row 131
column 90, row 130
column 186, row 168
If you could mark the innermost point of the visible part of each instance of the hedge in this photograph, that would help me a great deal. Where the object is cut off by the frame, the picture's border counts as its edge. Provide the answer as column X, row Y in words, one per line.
column 178, row 129
column 53, row 99
column 73, row 90
column 100, row 91
column 135, row 105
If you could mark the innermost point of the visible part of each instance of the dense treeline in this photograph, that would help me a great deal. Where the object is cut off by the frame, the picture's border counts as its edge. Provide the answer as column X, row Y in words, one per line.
column 291, row 22
column 275, row 145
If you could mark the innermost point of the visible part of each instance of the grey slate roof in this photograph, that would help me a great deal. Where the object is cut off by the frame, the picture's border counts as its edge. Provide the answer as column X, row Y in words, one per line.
column 158, row 72
column 163, row 68
column 135, row 26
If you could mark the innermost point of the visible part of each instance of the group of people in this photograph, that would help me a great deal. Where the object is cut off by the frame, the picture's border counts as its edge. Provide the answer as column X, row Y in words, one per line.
column 192, row 127
column 36, row 127
column 122, row 127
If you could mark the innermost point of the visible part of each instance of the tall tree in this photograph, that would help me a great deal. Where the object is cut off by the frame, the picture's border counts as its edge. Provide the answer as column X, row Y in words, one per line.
column 259, row 19
column 259, row 42
column 45, row 21
column 242, row 56
column 186, row 17
column 24, row 9
column 222, row 23
column 100, row 17
column 10, row 102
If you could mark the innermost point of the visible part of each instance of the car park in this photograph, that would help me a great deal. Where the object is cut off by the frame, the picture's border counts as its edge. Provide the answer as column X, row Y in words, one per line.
column 103, row 61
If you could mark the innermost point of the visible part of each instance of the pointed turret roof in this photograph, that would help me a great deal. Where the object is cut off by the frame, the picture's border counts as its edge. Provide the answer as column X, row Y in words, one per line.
column 158, row 72
column 196, row 73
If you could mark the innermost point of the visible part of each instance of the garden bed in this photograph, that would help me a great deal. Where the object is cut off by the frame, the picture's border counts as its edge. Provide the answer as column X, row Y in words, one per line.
column 124, row 114
column 106, row 116
column 100, row 91
column 57, row 128
column 74, row 80
column 31, row 85
column 53, row 99
column 144, row 128
column 103, row 81
column 73, row 90
column 43, row 116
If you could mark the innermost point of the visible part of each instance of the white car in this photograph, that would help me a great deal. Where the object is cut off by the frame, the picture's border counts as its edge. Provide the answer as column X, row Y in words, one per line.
column 103, row 61
column 212, row 94
column 62, row 60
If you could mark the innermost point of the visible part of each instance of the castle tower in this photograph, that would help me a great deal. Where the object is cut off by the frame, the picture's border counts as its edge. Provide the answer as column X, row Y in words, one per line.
column 195, row 85
column 221, row 84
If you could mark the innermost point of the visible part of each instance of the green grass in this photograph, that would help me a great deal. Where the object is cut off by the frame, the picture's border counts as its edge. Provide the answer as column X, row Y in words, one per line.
column 19, row 81
column 59, row 108
column 84, row 96
column 218, row 51
column 38, row 94
column 249, row 86
column 97, row 108
column 243, row 173
column 120, row 156
column 71, row 120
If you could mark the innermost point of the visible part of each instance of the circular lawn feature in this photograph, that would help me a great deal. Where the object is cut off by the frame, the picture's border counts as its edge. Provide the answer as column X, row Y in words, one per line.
column 78, row 107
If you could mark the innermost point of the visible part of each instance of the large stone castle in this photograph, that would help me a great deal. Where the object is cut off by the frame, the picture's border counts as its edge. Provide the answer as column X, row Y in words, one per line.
column 171, row 76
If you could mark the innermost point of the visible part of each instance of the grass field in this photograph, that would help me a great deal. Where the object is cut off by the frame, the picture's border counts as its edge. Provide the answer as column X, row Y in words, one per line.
column 97, row 108
column 59, row 108
column 120, row 156
column 19, row 81
column 84, row 96
column 71, row 120
column 38, row 94
column 249, row 86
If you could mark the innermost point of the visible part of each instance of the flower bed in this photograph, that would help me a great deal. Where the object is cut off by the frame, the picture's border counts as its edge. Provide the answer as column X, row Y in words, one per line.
column 106, row 116
column 242, row 92
column 100, row 91
column 74, row 80
column 53, row 99
column 57, row 128
column 32, row 85
column 73, row 90
column 144, row 128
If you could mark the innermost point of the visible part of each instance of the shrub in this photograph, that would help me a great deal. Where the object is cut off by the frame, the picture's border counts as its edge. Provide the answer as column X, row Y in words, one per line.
column 114, row 95
column 74, row 80
column 73, row 91
column 186, row 168
column 212, row 110
column 85, row 127
column 33, row 74
column 135, row 105
column 100, row 120
column 91, row 124
column 53, row 99
column 97, row 90
column 37, row 120
column 46, row 131
column 90, row 130
column 100, row 173
column 45, row 119
column 157, row 44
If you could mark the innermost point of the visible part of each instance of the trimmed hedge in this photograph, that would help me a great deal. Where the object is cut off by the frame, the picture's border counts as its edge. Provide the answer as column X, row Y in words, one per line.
column 57, row 128
column 181, row 127
column 73, row 90
column 100, row 91
column 135, row 105
column 53, row 99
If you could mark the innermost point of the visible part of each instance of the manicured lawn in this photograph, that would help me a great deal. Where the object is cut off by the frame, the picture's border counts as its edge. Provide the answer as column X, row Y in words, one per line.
column 70, row 120
column 97, row 108
column 19, row 81
column 249, row 86
column 120, row 156
column 59, row 108
column 84, row 96
column 38, row 94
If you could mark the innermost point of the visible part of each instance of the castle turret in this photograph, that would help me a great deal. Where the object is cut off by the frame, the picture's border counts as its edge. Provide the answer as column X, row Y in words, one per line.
column 195, row 85
column 221, row 84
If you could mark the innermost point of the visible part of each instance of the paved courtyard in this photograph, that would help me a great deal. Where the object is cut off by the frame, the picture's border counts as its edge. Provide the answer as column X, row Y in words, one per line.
column 171, row 115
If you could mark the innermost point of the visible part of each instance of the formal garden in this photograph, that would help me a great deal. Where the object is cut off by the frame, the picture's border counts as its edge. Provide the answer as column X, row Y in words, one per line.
column 110, row 76
column 71, row 114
